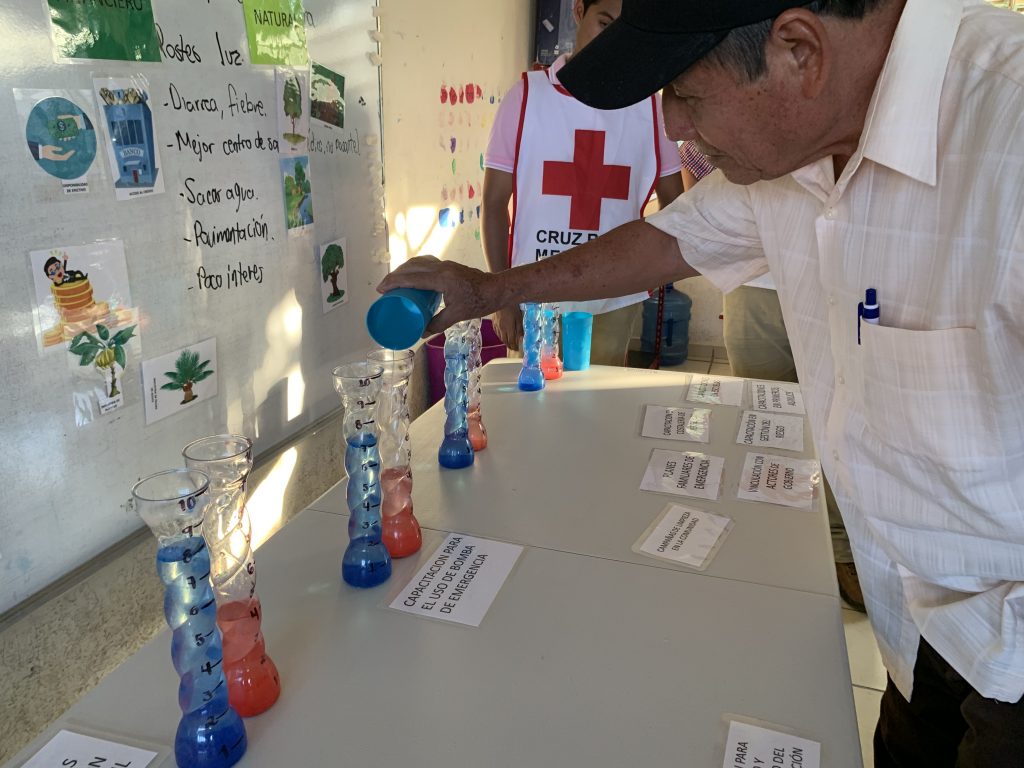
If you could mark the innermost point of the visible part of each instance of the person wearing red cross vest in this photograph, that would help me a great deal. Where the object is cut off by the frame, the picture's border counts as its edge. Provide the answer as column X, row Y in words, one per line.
column 572, row 173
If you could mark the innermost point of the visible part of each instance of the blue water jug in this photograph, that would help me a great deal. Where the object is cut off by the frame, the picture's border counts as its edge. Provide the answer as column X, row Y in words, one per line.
column 675, row 326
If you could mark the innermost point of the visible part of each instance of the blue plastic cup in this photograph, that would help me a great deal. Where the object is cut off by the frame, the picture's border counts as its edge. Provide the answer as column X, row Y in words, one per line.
column 398, row 318
column 577, row 328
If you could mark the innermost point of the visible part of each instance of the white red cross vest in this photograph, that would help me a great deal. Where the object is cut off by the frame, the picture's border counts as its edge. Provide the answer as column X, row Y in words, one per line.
column 579, row 172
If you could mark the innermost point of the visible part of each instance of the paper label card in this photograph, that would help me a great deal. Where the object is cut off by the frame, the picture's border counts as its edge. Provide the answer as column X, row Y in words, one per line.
column 684, row 535
column 173, row 382
column 67, row 748
column 750, row 745
column 779, row 480
column 719, row 390
column 684, row 474
column 459, row 581
column 768, row 430
column 778, row 396
column 690, row 424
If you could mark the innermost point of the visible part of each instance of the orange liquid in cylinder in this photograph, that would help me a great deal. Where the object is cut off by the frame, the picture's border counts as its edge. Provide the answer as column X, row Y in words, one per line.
column 400, row 531
column 477, row 430
column 551, row 367
column 253, row 682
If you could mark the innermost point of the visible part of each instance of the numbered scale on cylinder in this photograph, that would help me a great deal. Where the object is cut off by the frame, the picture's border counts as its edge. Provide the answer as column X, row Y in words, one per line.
column 366, row 562
column 210, row 733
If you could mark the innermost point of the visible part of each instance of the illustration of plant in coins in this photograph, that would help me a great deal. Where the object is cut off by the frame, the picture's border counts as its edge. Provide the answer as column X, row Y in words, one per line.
column 104, row 351
column 293, row 107
column 188, row 372
column 331, row 264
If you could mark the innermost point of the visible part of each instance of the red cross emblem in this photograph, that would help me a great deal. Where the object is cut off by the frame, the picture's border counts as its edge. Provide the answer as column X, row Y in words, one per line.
column 586, row 180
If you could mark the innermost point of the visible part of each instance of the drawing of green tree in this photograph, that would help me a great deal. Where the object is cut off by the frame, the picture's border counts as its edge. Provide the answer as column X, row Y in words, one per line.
column 301, row 182
column 293, row 107
column 103, row 350
column 331, row 264
column 188, row 371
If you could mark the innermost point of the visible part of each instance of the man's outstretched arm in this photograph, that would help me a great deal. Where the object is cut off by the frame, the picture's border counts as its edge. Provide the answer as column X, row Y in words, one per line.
column 632, row 258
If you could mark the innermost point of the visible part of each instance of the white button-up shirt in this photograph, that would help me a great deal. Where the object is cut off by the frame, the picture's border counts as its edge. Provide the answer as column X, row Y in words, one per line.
column 920, row 426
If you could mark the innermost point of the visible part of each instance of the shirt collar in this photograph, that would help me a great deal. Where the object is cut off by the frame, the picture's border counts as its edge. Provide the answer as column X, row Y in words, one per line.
column 902, row 125
column 556, row 65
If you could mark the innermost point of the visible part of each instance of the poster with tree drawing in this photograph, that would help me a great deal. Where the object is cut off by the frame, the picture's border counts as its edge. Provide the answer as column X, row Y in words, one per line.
column 333, row 274
column 327, row 96
column 293, row 111
column 179, row 379
column 298, row 193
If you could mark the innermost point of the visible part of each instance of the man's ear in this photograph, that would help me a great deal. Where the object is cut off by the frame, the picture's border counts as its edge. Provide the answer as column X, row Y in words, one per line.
column 800, row 43
column 577, row 11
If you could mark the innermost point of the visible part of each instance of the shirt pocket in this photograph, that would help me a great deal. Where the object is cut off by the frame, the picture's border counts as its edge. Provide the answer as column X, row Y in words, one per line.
column 927, row 394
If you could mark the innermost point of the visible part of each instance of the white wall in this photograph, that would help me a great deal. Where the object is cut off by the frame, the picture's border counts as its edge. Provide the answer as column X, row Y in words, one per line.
column 427, row 45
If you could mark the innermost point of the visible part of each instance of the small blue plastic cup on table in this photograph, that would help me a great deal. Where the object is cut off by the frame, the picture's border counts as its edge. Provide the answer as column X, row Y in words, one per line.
column 398, row 318
column 577, row 328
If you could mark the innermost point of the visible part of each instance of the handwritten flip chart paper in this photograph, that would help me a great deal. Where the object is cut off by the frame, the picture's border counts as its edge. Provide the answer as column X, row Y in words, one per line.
column 459, row 581
column 684, row 535
column 776, row 396
column 276, row 31
column 779, row 480
column 69, row 749
column 684, row 474
column 766, row 430
column 719, row 390
column 750, row 745
column 689, row 424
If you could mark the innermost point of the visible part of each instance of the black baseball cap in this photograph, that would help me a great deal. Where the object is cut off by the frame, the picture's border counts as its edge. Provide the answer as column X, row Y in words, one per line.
column 653, row 42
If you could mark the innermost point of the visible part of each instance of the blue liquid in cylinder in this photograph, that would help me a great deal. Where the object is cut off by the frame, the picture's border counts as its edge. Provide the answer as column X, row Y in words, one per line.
column 366, row 562
column 531, row 377
column 456, row 450
column 210, row 733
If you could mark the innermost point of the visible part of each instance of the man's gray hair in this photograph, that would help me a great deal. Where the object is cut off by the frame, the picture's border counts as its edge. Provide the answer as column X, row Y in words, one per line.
column 743, row 51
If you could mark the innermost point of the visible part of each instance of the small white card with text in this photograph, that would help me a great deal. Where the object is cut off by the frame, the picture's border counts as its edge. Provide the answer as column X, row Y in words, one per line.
column 689, row 424
column 718, row 390
column 751, row 745
column 771, row 430
column 778, row 396
column 684, row 535
column 684, row 474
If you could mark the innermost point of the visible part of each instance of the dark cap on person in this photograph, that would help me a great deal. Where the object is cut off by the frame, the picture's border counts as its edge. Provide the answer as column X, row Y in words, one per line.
column 653, row 42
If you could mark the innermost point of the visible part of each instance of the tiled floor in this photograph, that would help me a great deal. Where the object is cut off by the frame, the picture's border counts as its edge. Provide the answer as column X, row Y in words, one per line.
column 866, row 670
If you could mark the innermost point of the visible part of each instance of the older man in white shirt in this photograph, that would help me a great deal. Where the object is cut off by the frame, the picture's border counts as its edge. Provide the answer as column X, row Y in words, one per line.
column 865, row 144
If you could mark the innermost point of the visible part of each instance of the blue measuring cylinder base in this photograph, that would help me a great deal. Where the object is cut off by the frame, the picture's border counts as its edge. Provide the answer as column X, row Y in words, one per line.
column 210, row 733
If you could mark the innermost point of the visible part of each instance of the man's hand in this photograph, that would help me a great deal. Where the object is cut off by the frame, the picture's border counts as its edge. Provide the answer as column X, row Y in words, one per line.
column 468, row 293
column 508, row 325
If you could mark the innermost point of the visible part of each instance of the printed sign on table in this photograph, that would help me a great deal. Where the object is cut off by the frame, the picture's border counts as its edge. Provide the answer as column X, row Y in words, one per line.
column 777, row 396
column 689, row 424
column 718, row 390
column 779, row 480
column 771, row 430
column 750, row 745
column 684, row 535
column 67, row 748
column 683, row 474
column 459, row 581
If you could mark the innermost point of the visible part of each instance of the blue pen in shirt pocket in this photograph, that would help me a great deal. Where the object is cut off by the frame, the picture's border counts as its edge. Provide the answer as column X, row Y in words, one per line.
column 868, row 310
